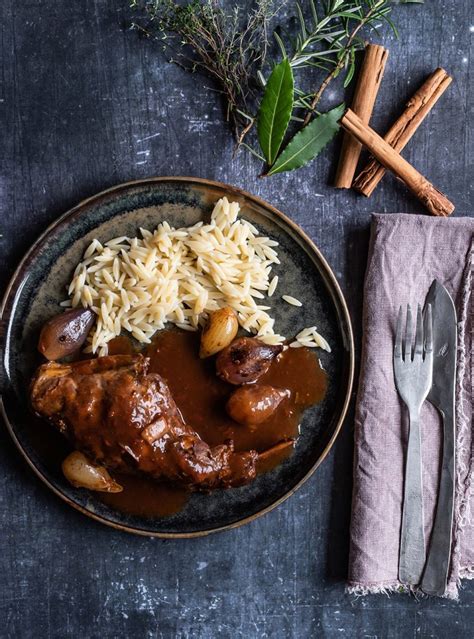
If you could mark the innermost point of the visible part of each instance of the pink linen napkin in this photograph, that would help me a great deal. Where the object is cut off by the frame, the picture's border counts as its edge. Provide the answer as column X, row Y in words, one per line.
column 406, row 253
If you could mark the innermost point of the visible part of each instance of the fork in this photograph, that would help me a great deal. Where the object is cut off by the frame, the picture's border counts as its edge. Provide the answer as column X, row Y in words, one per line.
column 413, row 369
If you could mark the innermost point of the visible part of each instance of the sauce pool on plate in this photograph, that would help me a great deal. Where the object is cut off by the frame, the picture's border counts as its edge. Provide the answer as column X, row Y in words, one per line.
column 201, row 397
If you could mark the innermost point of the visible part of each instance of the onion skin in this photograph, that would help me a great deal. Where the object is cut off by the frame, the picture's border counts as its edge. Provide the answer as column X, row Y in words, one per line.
column 65, row 333
column 221, row 328
column 245, row 360
column 255, row 403
column 82, row 473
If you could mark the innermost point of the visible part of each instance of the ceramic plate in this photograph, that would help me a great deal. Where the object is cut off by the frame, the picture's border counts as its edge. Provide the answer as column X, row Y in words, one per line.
column 39, row 284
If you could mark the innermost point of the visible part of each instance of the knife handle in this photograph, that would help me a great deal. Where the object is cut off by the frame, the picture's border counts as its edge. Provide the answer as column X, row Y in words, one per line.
column 412, row 540
column 435, row 576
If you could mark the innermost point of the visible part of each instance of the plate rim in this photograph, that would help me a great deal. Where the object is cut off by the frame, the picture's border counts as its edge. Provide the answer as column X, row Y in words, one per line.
column 233, row 190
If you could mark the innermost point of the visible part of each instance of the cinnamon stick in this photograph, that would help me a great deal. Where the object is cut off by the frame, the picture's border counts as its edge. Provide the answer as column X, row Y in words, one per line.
column 435, row 201
column 416, row 110
column 365, row 94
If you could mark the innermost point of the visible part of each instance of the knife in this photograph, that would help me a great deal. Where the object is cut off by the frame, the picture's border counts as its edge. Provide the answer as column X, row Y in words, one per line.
column 441, row 395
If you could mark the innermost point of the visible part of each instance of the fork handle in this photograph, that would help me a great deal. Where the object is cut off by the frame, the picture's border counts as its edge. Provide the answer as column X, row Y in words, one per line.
column 412, row 540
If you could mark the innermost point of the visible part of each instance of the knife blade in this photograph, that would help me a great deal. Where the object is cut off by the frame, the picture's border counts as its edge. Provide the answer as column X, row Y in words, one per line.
column 441, row 395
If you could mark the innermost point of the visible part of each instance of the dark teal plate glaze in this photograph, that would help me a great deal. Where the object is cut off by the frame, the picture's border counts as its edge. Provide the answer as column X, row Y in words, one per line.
column 39, row 284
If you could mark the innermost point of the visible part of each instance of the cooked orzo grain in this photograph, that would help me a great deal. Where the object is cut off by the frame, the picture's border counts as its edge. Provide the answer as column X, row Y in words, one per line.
column 179, row 275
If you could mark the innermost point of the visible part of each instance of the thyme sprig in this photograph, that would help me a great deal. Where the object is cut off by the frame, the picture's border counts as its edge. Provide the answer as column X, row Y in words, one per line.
column 229, row 46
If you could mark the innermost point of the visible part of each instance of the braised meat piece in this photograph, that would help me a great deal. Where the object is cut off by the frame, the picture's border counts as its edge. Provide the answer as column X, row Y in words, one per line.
column 125, row 418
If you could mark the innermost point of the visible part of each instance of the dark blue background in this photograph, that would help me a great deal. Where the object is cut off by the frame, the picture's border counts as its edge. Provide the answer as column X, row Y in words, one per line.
column 85, row 104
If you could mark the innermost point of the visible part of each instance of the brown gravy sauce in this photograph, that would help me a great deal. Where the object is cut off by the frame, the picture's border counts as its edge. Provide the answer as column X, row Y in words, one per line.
column 201, row 396
column 144, row 497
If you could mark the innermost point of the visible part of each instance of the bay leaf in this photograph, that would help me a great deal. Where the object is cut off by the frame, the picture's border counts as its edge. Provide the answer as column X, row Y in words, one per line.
column 308, row 142
column 275, row 110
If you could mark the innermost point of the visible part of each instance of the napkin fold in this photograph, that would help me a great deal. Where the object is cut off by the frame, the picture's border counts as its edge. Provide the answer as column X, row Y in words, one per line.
column 407, row 252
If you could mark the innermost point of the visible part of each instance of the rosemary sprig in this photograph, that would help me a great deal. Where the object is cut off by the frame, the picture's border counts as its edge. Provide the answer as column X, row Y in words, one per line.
column 330, row 41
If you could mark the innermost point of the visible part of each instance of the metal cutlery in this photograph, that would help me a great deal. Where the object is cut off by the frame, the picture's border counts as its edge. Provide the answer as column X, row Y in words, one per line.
column 441, row 395
column 413, row 368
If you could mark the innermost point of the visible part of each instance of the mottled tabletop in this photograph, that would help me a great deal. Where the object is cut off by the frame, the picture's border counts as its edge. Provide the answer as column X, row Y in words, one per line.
column 86, row 104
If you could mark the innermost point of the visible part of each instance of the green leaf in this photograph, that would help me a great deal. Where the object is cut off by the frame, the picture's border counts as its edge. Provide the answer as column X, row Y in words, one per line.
column 308, row 142
column 302, row 21
column 275, row 110
column 280, row 43
column 314, row 12
column 349, row 75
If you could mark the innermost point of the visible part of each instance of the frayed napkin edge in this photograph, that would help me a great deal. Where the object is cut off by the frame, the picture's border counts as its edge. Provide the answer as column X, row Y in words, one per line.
column 396, row 587
column 383, row 588
column 465, row 472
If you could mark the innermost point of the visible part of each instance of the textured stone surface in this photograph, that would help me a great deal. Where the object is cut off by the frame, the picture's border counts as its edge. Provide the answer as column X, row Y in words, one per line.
column 84, row 105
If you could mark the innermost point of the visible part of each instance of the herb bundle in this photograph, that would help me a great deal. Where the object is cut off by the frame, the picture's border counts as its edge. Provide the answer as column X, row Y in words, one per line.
column 231, row 46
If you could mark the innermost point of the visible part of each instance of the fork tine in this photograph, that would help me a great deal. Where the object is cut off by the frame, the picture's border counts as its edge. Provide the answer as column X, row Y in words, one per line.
column 419, row 332
column 408, row 335
column 397, row 351
column 429, row 330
